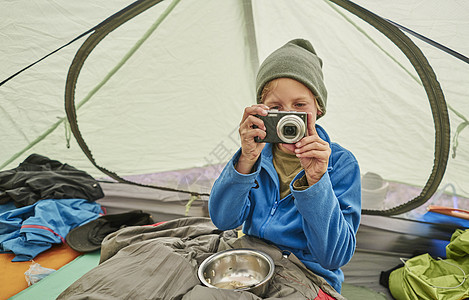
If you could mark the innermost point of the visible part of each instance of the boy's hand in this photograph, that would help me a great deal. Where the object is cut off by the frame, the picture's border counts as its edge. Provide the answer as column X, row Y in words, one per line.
column 250, row 127
column 313, row 153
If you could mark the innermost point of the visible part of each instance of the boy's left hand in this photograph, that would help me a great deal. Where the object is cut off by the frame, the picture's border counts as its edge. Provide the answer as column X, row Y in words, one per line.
column 313, row 153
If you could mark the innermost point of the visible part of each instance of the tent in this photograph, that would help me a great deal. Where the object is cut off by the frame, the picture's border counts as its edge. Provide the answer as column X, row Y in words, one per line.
column 152, row 92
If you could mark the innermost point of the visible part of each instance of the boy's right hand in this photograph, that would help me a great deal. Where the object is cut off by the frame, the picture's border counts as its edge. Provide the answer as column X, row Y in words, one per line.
column 250, row 127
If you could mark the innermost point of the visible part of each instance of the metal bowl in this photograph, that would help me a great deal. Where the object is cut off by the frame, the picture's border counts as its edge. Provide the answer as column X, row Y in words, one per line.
column 239, row 270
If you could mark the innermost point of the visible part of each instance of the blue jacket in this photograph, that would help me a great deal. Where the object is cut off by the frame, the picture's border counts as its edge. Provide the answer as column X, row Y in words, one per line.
column 30, row 230
column 318, row 224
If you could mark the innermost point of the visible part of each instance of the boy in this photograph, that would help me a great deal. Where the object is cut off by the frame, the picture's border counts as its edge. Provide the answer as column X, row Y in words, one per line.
column 303, row 197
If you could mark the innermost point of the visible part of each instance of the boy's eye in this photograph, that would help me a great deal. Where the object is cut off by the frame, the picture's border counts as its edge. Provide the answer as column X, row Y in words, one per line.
column 275, row 107
column 299, row 104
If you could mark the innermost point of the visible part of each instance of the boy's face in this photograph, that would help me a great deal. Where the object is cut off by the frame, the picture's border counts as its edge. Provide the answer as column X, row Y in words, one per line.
column 290, row 95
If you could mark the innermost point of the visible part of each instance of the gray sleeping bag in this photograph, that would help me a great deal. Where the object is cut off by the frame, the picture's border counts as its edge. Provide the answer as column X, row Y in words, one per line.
column 161, row 262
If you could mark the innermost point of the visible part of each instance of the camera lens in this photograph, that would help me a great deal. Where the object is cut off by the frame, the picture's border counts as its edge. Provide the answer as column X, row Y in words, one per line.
column 289, row 130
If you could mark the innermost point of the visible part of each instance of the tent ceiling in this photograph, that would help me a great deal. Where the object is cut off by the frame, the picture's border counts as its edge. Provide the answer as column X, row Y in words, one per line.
column 177, row 101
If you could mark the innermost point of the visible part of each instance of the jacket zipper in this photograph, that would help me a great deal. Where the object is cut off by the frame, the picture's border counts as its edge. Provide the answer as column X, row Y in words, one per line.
column 272, row 212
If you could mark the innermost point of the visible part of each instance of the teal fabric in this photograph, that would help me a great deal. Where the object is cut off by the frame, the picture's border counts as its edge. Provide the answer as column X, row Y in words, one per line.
column 51, row 286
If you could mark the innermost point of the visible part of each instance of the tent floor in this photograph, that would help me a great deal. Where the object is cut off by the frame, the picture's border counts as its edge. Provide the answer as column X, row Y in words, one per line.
column 381, row 240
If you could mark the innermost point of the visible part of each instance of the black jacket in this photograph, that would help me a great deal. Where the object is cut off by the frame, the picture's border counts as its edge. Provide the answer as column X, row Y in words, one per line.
column 39, row 177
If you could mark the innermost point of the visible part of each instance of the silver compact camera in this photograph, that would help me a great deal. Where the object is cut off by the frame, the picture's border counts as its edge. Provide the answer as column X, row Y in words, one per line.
column 283, row 126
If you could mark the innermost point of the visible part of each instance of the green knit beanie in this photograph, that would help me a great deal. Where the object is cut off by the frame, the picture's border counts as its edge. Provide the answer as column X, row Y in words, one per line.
column 296, row 60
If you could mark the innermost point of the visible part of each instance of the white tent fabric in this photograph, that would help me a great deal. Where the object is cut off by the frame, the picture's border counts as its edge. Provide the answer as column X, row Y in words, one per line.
column 177, row 101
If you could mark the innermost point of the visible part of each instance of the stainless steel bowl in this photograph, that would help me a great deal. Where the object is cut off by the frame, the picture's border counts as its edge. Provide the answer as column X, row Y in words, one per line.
column 239, row 270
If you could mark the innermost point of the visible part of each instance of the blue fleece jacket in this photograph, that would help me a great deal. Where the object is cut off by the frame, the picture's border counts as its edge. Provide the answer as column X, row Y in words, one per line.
column 318, row 224
column 30, row 230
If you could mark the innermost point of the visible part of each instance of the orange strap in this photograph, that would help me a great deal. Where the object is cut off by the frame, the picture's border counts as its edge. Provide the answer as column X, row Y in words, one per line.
column 449, row 211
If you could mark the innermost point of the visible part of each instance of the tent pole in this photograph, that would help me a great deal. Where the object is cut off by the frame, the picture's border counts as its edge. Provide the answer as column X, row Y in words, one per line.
column 251, row 39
